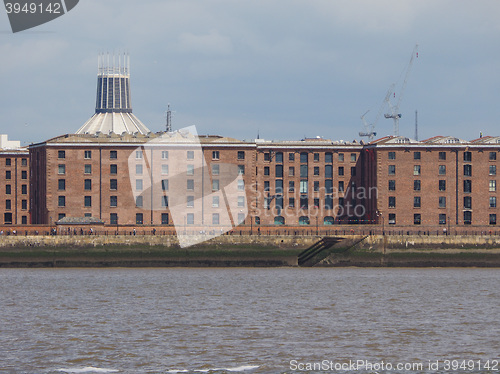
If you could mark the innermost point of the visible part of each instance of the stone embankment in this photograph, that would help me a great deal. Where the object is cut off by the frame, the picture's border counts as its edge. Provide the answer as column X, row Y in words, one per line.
column 246, row 250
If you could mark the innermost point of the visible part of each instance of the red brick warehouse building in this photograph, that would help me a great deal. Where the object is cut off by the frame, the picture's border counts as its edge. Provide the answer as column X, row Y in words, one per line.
column 115, row 169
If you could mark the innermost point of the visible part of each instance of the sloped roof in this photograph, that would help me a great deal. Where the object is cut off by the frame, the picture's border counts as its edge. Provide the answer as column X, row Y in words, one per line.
column 114, row 122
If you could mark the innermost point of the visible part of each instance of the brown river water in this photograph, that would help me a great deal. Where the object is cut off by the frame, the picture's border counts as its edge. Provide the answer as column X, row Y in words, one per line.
column 249, row 320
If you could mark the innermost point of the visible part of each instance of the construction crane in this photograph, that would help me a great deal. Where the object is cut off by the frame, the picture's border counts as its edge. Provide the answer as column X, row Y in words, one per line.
column 370, row 128
column 394, row 109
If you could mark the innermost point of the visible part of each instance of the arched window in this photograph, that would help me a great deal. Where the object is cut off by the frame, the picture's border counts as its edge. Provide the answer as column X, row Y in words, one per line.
column 279, row 220
column 304, row 220
column 328, row 220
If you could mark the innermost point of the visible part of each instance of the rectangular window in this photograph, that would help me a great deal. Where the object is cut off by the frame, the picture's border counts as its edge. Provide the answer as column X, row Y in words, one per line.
column 291, row 171
column 164, row 169
column 61, row 201
column 341, row 170
column 353, row 171
column 493, row 169
column 416, row 170
column 87, row 201
column 316, row 186
column 392, row 155
column 24, row 189
column 328, row 186
column 164, row 155
column 215, row 155
column 279, row 157
column 467, row 156
column 392, row 218
column 190, row 155
column 328, row 171
column 467, row 217
column 341, row 157
column 304, row 158
column 8, row 174
column 266, row 170
column 279, row 186
column 215, row 185
column 417, row 219
column 442, row 201
column 215, row 218
column 61, row 154
column 139, row 202
column 467, row 186
column 113, row 218
column 87, row 184
column 241, row 155
column 392, row 185
column 291, row 202
column 493, row 202
column 164, row 184
column 8, row 189
column 304, row 202
column 493, row 219
column 442, row 219
column 24, row 174
column 241, row 185
column 392, row 169
column 493, row 156
column 241, row 169
column 392, row 201
column 8, row 204
column 442, row 185
column 88, row 154
column 24, row 162
column 291, row 186
column 442, row 156
column 113, row 155
column 113, row 169
column 61, row 169
column 328, row 202
column 190, row 170
column 353, row 157
column 138, row 169
column 417, row 184
column 61, row 184
column 215, row 201
column 316, row 157
column 215, row 169
column 341, row 186
column 303, row 171
column 24, row 220
column 417, row 202
column 189, row 201
column 316, row 202
column 241, row 201
column 139, row 219
column 88, row 169
column 138, row 155
column 190, row 218
column 467, row 202
column 303, row 186
column 113, row 184
column 316, row 170
column 138, row 184
column 113, row 201
column 291, row 156
column 442, row 169
column 328, row 158
column 492, row 186
column 468, row 170
column 266, row 186
column 416, row 155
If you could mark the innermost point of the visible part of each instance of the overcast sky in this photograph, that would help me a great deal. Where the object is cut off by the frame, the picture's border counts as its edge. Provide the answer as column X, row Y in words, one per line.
column 283, row 68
